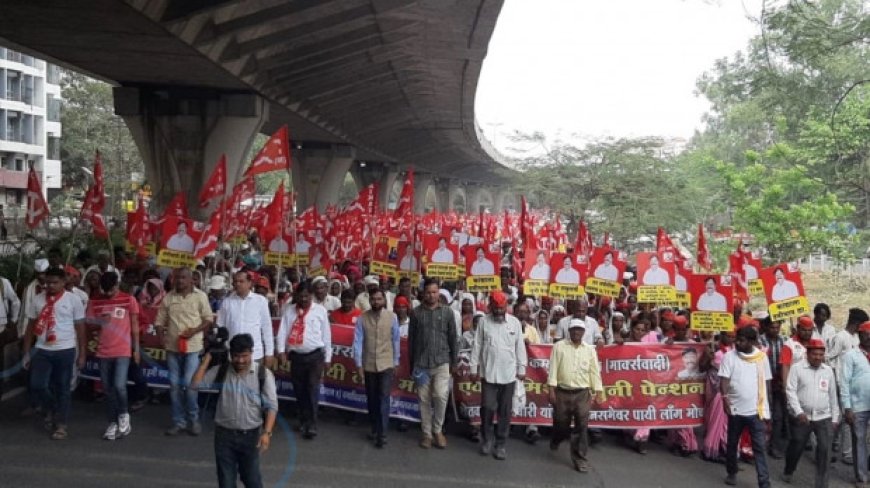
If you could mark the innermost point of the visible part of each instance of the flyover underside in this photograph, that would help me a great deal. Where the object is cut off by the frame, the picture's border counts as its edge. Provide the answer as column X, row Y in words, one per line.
column 394, row 78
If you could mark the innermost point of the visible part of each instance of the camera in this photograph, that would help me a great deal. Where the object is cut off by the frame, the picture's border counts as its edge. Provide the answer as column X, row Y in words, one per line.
column 216, row 345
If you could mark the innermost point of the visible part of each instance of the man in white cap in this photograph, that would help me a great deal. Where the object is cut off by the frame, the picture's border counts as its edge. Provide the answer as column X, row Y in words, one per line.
column 322, row 296
column 574, row 378
column 362, row 300
column 216, row 287
column 246, row 312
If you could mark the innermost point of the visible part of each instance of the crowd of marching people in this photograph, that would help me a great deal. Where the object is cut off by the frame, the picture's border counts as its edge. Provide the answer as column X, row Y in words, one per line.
column 769, row 393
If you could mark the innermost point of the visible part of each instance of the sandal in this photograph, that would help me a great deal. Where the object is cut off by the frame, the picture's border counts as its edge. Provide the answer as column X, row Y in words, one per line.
column 59, row 434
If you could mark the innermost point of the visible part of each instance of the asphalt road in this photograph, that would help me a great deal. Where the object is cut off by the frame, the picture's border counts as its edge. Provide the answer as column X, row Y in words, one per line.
column 339, row 457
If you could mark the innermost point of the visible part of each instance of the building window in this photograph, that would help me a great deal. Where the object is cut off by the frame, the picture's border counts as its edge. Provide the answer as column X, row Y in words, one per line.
column 19, row 164
column 52, row 112
column 52, row 74
column 52, row 150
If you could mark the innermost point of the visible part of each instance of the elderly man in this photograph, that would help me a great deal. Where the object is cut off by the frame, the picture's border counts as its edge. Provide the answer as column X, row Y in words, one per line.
column 580, row 308
column 184, row 315
column 855, row 391
column 811, row 390
column 574, row 378
column 498, row 358
column 372, row 283
column 322, row 296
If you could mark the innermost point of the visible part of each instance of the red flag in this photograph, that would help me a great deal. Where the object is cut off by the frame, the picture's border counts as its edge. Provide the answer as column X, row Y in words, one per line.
column 139, row 228
column 177, row 207
column 274, row 156
column 216, row 185
column 583, row 245
column 704, row 259
column 208, row 240
column 663, row 241
column 95, row 201
column 526, row 227
column 405, row 206
column 37, row 209
column 273, row 215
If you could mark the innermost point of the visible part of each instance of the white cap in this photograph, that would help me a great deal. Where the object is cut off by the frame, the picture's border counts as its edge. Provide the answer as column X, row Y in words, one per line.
column 217, row 282
column 446, row 294
column 371, row 280
column 574, row 323
column 627, row 275
column 40, row 265
column 245, row 246
column 318, row 279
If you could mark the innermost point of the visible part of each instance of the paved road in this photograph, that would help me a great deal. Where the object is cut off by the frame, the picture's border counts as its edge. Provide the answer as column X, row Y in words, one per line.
column 339, row 457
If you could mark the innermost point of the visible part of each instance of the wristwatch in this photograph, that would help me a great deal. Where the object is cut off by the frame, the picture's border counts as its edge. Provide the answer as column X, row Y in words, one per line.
column 268, row 433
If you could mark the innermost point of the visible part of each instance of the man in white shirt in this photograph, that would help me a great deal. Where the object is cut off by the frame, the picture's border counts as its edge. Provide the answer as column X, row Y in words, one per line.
column 279, row 244
column 181, row 241
column 322, row 296
column 482, row 266
column 498, row 360
column 408, row 261
column 442, row 254
column 655, row 275
column 783, row 289
column 711, row 300
column 541, row 270
column 592, row 334
column 744, row 382
column 843, row 342
column 606, row 270
column 811, row 391
column 567, row 274
column 302, row 245
column 56, row 320
column 306, row 334
column 246, row 312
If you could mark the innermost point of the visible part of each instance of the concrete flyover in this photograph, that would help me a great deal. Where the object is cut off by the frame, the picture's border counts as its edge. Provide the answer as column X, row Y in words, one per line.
column 391, row 82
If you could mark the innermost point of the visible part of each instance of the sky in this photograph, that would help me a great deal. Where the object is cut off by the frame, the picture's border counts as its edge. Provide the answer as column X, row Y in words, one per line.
column 605, row 68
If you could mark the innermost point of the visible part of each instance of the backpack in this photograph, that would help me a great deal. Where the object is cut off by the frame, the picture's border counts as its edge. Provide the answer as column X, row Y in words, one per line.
column 221, row 377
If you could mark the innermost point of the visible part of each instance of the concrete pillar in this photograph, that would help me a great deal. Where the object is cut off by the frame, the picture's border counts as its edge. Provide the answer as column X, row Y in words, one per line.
column 384, row 174
column 472, row 199
column 318, row 174
column 182, row 132
column 442, row 194
column 421, row 189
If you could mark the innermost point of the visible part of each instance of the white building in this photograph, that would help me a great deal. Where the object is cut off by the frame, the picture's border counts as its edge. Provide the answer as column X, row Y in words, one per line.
column 29, row 127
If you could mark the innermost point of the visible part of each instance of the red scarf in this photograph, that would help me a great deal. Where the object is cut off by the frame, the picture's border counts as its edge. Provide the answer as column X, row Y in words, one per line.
column 297, row 332
column 45, row 322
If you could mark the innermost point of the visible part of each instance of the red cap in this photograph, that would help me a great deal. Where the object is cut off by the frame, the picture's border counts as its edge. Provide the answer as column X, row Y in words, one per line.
column 681, row 322
column 71, row 270
column 401, row 301
column 744, row 321
column 815, row 344
column 865, row 327
column 498, row 298
column 605, row 301
column 632, row 287
column 668, row 315
column 264, row 282
column 805, row 322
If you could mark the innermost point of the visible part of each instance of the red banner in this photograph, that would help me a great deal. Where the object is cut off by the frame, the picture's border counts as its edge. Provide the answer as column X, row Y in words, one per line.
column 645, row 385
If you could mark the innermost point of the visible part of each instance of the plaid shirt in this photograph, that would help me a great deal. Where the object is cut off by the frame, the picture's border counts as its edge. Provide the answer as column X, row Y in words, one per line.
column 432, row 337
column 774, row 351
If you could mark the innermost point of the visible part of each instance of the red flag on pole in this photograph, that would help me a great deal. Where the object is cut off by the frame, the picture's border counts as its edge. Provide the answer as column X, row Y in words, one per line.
column 177, row 207
column 37, row 209
column 406, row 199
column 95, row 201
column 663, row 241
column 208, row 240
column 216, row 185
column 583, row 245
column 139, row 229
column 704, row 258
column 274, row 156
column 526, row 227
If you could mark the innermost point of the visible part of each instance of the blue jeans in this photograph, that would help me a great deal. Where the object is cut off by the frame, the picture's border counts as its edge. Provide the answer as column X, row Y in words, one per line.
column 113, row 374
column 859, row 445
column 178, row 381
column 236, row 455
column 757, row 431
column 50, row 377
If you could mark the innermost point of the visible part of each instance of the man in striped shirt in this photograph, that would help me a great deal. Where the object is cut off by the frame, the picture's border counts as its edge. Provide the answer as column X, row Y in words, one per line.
column 811, row 390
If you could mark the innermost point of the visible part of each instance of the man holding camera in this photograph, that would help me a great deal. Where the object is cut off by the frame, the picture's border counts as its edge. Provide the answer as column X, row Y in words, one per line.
column 246, row 394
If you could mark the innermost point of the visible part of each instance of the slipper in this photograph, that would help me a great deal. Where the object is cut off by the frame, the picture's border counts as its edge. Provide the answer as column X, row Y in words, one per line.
column 59, row 434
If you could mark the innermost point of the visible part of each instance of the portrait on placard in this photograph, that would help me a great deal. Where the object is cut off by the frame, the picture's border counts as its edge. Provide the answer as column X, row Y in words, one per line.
column 656, row 268
column 409, row 258
column 280, row 243
column 682, row 275
column 711, row 293
column 565, row 270
column 480, row 262
column 439, row 250
column 782, row 282
column 302, row 244
column 178, row 235
column 386, row 250
column 606, row 264
column 537, row 264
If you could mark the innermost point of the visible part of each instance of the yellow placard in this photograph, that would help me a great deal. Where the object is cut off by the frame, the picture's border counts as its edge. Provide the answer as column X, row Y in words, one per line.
column 302, row 259
column 682, row 299
column 382, row 268
column 239, row 240
column 606, row 288
column 321, row 271
column 285, row 260
column 569, row 292
column 656, row 294
column 175, row 259
column 712, row 321
column 787, row 309
column 535, row 288
column 442, row 270
column 483, row 283
column 756, row 288
column 150, row 248
column 411, row 275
